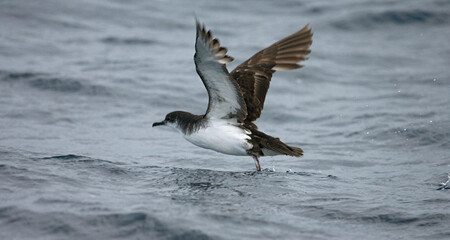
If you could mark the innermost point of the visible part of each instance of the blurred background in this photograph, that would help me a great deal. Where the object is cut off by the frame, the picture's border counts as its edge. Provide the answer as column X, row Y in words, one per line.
column 81, row 82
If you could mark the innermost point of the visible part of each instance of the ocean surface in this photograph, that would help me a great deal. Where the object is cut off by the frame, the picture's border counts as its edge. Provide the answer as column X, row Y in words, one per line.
column 81, row 83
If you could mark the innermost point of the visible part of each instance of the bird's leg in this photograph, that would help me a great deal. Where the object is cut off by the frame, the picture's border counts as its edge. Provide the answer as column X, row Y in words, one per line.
column 258, row 167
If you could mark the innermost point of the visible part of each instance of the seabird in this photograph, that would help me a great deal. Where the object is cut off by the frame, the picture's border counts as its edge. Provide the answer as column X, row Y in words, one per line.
column 236, row 99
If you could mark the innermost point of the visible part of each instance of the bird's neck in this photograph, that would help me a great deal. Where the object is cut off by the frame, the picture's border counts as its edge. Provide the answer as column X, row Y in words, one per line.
column 189, row 123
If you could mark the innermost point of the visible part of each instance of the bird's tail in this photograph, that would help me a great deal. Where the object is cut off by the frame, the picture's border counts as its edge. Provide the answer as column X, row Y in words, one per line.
column 265, row 145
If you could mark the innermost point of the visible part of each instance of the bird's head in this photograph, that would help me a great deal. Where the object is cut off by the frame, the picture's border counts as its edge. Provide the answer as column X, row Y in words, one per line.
column 170, row 120
column 181, row 121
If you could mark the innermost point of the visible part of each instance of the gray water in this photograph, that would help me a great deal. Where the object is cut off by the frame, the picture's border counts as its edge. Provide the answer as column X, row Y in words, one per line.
column 81, row 82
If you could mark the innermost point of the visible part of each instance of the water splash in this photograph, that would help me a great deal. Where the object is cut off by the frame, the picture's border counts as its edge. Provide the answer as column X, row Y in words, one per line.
column 445, row 185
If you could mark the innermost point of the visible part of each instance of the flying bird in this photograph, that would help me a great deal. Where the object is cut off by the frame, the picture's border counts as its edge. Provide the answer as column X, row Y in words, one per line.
column 236, row 99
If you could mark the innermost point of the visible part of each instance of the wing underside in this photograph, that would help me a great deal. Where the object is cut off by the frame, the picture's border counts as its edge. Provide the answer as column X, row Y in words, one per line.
column 225, row 97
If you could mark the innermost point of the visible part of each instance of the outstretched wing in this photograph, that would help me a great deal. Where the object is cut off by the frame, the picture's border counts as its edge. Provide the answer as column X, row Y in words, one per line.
column 225, row 97
column 253, row 75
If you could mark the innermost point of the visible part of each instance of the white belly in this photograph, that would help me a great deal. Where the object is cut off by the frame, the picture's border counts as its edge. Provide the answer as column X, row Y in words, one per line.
column 221, row 136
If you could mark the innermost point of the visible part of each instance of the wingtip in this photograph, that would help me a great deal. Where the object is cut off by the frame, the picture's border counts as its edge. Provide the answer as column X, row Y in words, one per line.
column 198, row 24
column 212, row 43
column 195, row 17
column 307, row 28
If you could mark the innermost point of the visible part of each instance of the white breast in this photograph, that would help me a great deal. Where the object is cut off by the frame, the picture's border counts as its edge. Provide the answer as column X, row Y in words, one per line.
column 222, row 136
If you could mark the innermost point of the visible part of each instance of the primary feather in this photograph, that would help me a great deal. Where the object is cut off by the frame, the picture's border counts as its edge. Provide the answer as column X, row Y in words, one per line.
column 254, row 75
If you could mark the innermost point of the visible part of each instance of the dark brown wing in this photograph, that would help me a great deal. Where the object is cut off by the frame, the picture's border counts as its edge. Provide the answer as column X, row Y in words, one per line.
column 253, row 75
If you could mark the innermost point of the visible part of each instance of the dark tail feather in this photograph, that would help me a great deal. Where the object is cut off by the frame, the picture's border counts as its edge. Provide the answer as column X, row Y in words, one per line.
column 265, row 145
column 294, row 151
column 279, row 147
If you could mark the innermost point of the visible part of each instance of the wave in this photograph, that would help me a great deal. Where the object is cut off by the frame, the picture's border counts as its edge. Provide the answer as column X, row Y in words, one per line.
column 395, row 218
column 394, row 17
column 47, row 82
column 133, row 225
column 418, row 135
column 103, row 166
column 128, row 41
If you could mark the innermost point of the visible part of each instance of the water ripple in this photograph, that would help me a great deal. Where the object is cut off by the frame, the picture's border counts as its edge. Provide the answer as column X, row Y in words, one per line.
column 395, row 17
